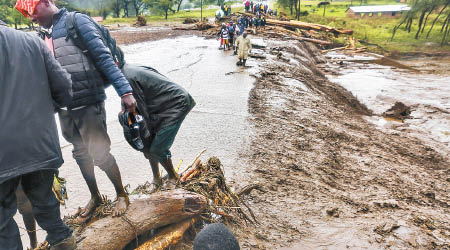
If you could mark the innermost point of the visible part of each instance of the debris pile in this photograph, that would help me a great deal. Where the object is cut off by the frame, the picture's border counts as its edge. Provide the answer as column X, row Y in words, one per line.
column 159, row 220
column 190, row 20
column 141, row 21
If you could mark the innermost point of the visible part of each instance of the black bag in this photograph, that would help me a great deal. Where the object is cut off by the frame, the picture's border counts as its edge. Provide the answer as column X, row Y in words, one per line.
column 74, row 33
column 135, row 131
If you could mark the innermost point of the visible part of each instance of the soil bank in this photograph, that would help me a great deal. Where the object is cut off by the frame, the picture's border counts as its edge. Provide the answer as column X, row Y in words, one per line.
column 330, row 179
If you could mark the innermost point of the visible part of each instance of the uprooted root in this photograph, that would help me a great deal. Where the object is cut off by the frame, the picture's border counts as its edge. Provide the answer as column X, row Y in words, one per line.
column 223, row 204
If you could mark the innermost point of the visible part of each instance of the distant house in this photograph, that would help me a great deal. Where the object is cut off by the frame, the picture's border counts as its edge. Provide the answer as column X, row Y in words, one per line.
column 375, row 11
column 98, row 19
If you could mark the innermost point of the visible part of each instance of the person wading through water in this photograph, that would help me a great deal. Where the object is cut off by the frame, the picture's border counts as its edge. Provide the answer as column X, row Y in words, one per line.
column 164, row 105
column 32, row 82
column 83, row 123
column 244, row 46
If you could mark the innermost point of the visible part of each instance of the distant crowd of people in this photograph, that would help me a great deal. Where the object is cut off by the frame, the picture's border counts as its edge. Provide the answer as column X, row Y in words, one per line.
column 257, row 8
column 226, row 9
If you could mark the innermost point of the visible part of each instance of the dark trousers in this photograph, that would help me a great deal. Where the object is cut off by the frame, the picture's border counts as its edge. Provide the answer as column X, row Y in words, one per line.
column 38, row 188
column 86, row 129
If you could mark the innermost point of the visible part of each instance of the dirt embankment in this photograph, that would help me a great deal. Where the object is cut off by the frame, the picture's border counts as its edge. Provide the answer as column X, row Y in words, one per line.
column 329, row 178
column 130, row 35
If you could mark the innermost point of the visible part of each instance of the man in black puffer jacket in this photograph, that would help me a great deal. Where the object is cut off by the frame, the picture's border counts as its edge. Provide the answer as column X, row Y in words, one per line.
column 83, row 123
column 164, row 105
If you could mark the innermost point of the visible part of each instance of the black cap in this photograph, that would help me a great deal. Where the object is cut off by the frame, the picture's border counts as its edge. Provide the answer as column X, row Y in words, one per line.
column 215, row 237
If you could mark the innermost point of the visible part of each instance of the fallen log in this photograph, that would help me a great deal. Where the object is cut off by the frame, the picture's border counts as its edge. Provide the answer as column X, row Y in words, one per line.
column 299, row 38
column 308, row 26
column 158, row 210
column 169, row 236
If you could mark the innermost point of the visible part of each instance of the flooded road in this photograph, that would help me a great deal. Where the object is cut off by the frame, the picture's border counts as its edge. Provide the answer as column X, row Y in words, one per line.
column 218, row 122
column 380, row 86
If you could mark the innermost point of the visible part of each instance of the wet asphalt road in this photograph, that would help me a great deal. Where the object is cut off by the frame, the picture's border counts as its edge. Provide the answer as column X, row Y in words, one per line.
column 217, row 123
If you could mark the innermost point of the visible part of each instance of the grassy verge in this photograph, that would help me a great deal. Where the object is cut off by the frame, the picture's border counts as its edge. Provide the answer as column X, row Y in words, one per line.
column 179, row 16
column 374, row 30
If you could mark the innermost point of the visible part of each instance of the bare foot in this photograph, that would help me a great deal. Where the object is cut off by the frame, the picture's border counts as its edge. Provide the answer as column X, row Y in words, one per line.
column 121, row 206
column 154, row 187
column 89, row 209
column 170, row 184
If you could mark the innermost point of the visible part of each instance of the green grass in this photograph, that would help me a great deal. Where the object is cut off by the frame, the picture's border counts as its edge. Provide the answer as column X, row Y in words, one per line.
column 179, row 16
column 375, row 30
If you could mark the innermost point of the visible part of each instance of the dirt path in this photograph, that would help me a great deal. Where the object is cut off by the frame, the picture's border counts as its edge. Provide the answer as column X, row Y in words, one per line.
column 329, row 179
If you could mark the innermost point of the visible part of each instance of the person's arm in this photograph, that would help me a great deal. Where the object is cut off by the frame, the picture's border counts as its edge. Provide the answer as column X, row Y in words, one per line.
column 103, row 60
column 59, row 80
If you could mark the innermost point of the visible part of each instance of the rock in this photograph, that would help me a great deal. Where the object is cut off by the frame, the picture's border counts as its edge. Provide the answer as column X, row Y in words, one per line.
column 387, row 204
column 399, row 111
column 334, row 212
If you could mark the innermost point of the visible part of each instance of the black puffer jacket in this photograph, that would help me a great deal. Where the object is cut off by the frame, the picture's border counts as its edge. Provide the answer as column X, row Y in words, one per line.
column 31, row 81
column 161, row 101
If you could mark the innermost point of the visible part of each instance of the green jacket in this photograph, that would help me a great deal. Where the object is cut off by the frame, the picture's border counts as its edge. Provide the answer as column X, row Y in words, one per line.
column 161, row 101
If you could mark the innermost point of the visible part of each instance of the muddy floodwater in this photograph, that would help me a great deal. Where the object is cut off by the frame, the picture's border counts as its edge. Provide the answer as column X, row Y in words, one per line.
column 218, row 122
column 379, row 84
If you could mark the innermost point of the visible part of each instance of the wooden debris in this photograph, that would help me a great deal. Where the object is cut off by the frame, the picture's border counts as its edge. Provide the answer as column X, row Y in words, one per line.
column 169, row 236
column 247, row 189
column 141, row 21
column 195, row 160
column 195, row 26
column 158, row 210
column 308, row 26
column 190, row 20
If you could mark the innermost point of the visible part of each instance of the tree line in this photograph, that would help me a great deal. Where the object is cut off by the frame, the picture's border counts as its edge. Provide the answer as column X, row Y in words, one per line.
column 419, row 15
column 104, row 8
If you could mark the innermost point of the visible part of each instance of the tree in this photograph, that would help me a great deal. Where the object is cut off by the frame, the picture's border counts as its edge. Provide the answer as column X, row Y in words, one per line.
column 117, row 7
column 161, row 6
column 421, row 11
column 125, row 4
column 138, row 5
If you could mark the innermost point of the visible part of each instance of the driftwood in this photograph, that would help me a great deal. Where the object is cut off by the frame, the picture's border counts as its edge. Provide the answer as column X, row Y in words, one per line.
column 158, row 210
column 308, row 26
column 169, row 236
column 311, row 40
column 195, row 26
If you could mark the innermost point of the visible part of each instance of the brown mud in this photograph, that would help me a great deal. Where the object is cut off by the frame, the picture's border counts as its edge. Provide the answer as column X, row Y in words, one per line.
column 129, row 35
column 328, row 178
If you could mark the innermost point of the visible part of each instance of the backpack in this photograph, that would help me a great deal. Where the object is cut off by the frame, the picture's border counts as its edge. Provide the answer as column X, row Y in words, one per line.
column 74, row 33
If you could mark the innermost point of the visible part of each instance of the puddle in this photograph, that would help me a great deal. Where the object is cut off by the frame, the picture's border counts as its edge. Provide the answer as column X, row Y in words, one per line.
column 380, row 86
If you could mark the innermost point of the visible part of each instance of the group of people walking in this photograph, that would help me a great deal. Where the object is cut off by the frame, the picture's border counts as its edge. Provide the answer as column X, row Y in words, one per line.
column 68, row 74
column 235, row 37
column 258, row 7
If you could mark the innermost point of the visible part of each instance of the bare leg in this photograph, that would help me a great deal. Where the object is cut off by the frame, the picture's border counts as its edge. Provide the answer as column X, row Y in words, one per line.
column 168, row 166
column 155, row 170
column 87, row 170
column 173, row 176
column 114, row 176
